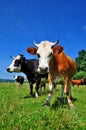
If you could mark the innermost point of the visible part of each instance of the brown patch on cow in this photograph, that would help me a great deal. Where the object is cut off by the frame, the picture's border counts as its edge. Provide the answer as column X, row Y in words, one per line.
column 58, row 49
column 32, row 50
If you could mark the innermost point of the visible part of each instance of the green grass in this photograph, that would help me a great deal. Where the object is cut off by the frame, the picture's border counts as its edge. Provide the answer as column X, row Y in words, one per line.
column 19, row 113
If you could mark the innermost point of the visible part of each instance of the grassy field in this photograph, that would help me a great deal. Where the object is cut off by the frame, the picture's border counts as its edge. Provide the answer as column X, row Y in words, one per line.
column 19, row 113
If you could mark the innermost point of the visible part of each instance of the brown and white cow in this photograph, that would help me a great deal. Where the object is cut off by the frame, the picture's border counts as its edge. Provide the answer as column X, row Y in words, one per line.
column 53, row 60
column 77, row 82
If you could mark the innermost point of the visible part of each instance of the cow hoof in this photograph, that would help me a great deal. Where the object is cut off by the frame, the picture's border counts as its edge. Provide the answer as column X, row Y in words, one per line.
column 72, row 107
column 46, row 103
column 29, row 96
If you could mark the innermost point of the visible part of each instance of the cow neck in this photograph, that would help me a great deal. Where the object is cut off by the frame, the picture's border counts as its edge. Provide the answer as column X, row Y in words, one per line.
column 24, row 68
column 52, row 66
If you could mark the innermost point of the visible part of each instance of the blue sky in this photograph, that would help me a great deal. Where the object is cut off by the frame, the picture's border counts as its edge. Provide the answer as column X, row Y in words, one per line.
column 22, row 21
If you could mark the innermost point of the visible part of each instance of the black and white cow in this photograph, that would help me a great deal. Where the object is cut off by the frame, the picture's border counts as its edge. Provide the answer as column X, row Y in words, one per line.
column 29, row 68
column 19, row 79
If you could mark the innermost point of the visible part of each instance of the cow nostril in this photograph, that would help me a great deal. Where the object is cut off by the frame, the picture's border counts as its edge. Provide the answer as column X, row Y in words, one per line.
column 46, row 68
column 43, row 68
column 8, row 69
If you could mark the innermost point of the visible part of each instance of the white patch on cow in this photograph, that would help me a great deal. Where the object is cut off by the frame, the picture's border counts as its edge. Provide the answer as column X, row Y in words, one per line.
column 70, row 104
column 36, row 95
column 50, row 87
column 13, row 68
column 44, row 51
column 65, row 89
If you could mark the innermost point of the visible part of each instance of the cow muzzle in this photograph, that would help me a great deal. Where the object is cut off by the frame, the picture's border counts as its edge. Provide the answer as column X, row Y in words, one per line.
column 8, row 70
column 43, row 70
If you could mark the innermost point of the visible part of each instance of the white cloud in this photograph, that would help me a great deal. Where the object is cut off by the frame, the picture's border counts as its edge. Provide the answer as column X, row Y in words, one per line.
column 84, row 27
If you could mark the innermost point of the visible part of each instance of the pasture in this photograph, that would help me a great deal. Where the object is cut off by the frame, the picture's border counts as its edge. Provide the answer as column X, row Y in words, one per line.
column 19, row 113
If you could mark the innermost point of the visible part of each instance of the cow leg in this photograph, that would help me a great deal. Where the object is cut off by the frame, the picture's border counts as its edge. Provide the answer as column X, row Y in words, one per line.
column 47, row 103
column 44, row 87
column 70, row 92
column 37, row 87
column 67, row 84
column 31, row 89
column 40, row 87
column 62, row 92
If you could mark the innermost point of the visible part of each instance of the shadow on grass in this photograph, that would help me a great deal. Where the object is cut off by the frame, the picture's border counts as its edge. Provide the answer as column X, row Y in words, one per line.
column 61, row 103
column 33, row 95
column 29, row 96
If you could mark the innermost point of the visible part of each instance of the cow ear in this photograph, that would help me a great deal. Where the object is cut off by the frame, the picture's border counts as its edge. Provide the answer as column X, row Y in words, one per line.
column 58, row 49
column 32, row 50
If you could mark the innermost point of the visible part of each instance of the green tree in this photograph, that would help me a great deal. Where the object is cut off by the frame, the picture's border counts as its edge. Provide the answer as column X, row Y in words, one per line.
column 81, row 65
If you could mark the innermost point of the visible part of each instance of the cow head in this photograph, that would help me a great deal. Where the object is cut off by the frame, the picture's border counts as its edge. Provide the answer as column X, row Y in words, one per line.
column 15, row 66
column 45, row 51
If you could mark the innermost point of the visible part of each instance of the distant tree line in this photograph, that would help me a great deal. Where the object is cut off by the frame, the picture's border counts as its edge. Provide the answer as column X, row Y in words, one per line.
column 6, row 80
column 81, row 65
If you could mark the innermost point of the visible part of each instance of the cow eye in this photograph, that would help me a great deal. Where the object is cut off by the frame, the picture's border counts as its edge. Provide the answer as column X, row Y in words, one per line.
column 38, row 55
column 17, row 62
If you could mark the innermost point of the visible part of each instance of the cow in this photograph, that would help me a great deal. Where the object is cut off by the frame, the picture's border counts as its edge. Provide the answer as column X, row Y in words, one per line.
column 77, row 82
column 29, row 68
column 53, row 60
column 19, row 79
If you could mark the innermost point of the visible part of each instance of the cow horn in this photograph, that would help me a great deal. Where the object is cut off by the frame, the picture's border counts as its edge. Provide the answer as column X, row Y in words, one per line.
column 37, row 45
column 55, row 43
column 12, row 57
